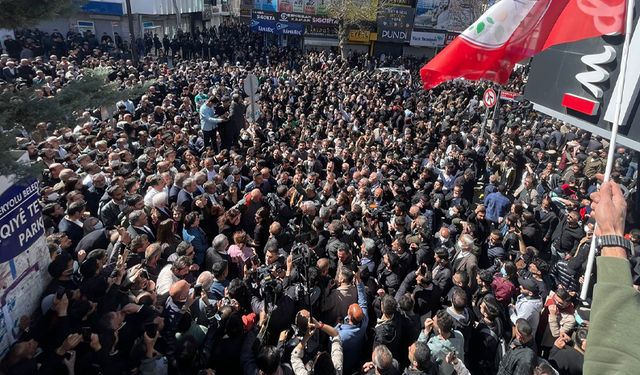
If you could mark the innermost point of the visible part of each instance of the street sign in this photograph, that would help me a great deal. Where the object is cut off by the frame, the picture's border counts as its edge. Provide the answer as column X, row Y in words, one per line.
column 489, row 98
column 509, row 95
column 253, row 111
column 251, row 85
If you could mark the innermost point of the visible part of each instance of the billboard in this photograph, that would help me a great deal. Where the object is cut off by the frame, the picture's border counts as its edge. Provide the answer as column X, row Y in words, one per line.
column 24, row 257
column 289, row 28
column 266, row 5
column 320, row 30
column 263, row 16
column 305, row 19
column 428, row 39
column 263, row 26
column 266, row 23
column 394, row 24
column 450, row 15
column 575, row 82
column 308, row 7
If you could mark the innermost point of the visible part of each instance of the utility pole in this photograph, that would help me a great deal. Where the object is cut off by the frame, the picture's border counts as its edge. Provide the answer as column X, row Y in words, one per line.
column 132, row 36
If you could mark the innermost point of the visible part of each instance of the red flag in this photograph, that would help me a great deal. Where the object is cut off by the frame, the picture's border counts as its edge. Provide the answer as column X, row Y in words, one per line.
column 512, row 30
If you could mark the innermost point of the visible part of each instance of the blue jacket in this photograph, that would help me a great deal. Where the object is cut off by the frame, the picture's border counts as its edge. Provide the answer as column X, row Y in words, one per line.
column 497, row 206
column 199, row 243
column 216, row 292
column 208, row 119
column 353, row 336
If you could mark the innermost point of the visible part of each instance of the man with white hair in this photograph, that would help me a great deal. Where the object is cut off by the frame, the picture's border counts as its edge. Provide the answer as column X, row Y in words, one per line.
column 464, row 259
column 218, row 251
column 156, row 185
column 159, row 202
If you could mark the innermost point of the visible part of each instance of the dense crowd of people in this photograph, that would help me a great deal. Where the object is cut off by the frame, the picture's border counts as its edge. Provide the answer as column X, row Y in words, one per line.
column 360, row 225
column 31, row 43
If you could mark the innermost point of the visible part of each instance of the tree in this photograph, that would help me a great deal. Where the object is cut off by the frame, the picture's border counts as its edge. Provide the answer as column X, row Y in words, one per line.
column 21, row 110
column 353, row 13
column 23, row 13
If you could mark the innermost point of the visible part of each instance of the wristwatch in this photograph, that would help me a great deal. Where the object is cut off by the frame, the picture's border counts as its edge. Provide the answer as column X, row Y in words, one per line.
column 612, row 240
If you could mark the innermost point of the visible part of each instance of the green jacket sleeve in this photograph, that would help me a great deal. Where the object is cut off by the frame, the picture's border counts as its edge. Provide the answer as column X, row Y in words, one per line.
column 614, row 328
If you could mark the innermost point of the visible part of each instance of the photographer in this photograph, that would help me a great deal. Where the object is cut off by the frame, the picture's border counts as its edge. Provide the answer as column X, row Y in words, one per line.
column 275, row 308
column 324, row 363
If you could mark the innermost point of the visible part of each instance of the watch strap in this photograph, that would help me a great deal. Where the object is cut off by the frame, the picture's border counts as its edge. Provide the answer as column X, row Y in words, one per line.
column 612, row 240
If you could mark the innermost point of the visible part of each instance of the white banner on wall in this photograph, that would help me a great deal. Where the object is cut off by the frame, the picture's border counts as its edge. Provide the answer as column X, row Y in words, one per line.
column 427, row 39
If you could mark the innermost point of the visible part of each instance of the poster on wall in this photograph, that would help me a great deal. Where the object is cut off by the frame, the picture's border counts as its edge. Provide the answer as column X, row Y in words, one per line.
column 24, row 257
column 285, row 6
column 266, row 5
column 310, row 7
column 321, row 7
column 298, row 6
column 270, row 5
column 450, row 15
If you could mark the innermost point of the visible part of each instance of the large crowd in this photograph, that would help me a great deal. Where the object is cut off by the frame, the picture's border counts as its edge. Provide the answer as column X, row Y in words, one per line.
column 360, row 225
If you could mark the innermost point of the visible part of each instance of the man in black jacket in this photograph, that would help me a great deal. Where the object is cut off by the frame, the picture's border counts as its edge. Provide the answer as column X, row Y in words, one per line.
column 237, row 112
column 388, row 331
column 71, row 224
column 110, row 211
column 567, row 235
column 519, row 359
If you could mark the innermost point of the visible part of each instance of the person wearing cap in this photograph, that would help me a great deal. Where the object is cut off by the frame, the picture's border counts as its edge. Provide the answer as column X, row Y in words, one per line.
column 528, row 304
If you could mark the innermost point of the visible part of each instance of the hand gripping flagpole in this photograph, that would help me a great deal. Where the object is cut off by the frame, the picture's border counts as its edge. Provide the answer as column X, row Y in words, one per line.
column 614, row 133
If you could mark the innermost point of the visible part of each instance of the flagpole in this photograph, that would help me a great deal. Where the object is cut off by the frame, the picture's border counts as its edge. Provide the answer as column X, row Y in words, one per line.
column 614, row 134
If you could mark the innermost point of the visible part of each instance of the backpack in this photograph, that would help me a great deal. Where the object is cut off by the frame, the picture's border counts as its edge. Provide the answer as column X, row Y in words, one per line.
column 500, row 350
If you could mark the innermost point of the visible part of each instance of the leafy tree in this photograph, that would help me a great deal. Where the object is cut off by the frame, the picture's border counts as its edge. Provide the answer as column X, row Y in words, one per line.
column 353, row 14
column 23, row 13
column 21, row 110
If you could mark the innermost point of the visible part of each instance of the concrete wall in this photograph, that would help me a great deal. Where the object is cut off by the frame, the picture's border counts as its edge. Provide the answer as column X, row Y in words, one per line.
column 103, row 24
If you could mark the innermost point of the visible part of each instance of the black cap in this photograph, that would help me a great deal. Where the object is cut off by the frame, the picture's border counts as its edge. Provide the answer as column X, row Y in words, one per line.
column 530, row 285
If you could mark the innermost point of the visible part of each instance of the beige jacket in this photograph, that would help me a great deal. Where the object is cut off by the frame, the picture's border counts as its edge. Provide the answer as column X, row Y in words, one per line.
column 561, row 322
column 336, row 357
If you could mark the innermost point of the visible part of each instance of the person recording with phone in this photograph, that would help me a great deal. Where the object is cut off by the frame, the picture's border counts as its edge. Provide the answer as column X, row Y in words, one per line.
column 442, row 339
